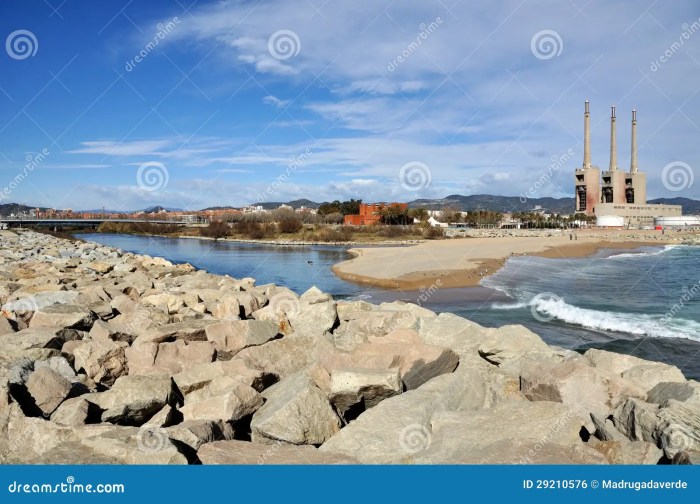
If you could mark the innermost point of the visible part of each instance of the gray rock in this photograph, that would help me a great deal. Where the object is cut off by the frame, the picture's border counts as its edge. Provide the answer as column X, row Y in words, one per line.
column 198, row 377
column 133, row 399
column 240, row 401
column 583, row 388
column 48, row 389
column 168, row 358
column 295, row 412
column 242, row 452
column 195, row 433
column 235, row 335
column 102, row 360
column 75, row 411
column 191, row 330
column 684, row 392
column 63, row 315
column 628, row 452
column 498, row 435
column 646, row 374
column 381, row 434
column 349, row 387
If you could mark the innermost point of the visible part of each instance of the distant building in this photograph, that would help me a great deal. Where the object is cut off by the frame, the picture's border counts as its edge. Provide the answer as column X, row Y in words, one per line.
column 615, row 192
column 370, row 213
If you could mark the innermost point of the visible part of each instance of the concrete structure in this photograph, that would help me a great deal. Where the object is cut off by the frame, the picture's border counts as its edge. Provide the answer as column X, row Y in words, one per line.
column 613, row 187
column 614, row 193
column 677, row 222
column 635, row 181
column 370, row 213
column 587, row 178
column 610, row 221
column 638, row 215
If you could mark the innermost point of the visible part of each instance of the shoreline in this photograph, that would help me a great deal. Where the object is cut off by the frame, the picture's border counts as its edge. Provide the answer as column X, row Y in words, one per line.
column 283, row 243
column 471, row 276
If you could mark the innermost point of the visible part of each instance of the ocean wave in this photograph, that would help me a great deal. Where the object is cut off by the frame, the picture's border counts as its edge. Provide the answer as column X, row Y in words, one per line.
column 632, row 323
column 666, row 248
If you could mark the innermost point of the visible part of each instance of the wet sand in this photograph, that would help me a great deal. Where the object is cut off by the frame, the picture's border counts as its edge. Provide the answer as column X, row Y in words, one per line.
column 464, row 262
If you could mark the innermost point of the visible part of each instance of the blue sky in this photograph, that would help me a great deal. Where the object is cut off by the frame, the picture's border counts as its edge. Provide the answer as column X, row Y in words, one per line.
column 244, row 100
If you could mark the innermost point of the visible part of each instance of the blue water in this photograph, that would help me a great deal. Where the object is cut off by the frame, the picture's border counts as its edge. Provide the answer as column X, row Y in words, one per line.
column 644, row 302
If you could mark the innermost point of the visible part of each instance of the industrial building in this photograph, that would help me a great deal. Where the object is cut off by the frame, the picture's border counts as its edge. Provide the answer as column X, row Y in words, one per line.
column 615, row 197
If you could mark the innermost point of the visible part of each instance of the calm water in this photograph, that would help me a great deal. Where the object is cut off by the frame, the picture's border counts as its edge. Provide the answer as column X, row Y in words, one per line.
column 644, row 303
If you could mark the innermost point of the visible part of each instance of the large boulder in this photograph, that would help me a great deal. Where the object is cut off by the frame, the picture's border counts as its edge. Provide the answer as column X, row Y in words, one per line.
column 111, row 330
column 63, row 315
column 316, row 315
column 381, row 434
column 195, row 433
column 512, row 345
column 238, row 401
column 646, row 374
column 285, row 356
column 507, row 434
column 416, row 361
column 168, row 358
column 364, row 387
column 134, row 399
column 296, row 411
column 190, row 330
column 48, row 389
column 102, row 360
column 242, row 452
column 232, row 336
column 200, row 376
column 685, row 392
column 628, row 452
column 583, row 388
column 35, row 338
column 74, row 411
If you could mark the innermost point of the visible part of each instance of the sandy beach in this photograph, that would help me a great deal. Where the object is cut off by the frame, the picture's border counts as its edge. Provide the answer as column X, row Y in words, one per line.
column 463, row 262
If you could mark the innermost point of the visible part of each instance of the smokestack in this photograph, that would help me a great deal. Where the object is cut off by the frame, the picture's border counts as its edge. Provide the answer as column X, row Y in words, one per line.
column 587, row 137
column 633, row 159
column 613, row 141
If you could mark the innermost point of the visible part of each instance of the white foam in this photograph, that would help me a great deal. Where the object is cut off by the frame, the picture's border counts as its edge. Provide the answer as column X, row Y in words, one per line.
column 631, row 323
column 642, row 254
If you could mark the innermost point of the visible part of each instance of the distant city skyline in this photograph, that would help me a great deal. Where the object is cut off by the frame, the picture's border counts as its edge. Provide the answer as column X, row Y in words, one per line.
column 131, row 104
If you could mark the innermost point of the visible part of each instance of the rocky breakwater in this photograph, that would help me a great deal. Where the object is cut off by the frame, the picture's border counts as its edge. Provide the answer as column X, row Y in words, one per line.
column 110, row 357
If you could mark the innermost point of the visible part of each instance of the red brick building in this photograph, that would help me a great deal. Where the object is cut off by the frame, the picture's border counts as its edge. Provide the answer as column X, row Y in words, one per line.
column 370, row 213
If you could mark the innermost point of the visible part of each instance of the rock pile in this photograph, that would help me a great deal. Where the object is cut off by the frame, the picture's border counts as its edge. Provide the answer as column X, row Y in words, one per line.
column 111, row 357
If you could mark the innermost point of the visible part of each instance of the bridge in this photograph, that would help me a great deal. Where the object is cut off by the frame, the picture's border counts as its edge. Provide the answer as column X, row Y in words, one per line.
column 92, row 222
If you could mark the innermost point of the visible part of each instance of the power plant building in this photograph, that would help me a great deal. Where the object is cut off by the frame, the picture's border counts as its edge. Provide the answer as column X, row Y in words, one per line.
column 615, row 193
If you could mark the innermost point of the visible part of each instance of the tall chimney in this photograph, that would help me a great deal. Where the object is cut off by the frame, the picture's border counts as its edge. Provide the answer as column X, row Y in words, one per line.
column 613, row 140
column 587, row 137
column 633, row 159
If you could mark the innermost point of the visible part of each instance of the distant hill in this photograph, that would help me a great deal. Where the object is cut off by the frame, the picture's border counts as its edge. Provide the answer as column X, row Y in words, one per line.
column 271, row 205
column 7, row 209
column 496, row 203
column 158, row 209
column 464, row 203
